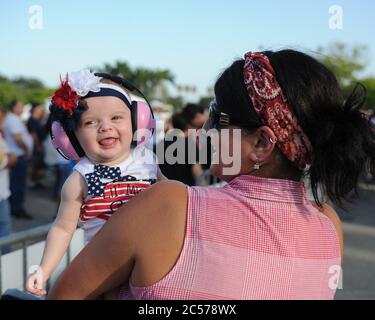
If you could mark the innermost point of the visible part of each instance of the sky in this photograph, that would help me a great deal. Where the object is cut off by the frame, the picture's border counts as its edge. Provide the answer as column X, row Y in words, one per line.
column 194, row 39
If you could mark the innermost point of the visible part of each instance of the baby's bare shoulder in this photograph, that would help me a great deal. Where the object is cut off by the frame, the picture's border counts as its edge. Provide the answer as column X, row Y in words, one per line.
column 74, row 187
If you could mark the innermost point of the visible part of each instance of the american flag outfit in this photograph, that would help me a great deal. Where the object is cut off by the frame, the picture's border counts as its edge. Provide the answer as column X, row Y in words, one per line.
column 110, row 187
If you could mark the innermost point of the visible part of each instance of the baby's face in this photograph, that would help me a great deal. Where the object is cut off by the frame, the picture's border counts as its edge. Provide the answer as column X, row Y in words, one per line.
column 105, row 131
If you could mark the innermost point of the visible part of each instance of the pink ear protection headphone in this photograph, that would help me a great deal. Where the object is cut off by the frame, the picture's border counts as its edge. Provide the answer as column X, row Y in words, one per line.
column 142, row 119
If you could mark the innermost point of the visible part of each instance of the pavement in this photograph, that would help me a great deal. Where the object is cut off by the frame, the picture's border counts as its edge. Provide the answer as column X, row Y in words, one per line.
column 359, row 237
column 40, row 204
column 358, row 224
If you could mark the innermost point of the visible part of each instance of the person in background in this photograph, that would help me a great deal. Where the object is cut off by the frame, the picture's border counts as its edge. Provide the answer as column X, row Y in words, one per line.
column 20, row 143
column 7, row 159
column 195, row 114
column 161, row 116
column 185, row 172
column 36, row 129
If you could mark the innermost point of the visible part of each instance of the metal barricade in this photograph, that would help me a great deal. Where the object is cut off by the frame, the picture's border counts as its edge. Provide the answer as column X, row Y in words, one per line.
column 21, row 240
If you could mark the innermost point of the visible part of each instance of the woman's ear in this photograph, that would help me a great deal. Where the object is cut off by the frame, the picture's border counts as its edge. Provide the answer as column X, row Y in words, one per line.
column 265, row 143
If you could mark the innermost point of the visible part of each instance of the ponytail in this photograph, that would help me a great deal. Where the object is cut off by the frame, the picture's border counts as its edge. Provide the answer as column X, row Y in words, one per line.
column 341, row 136
column 344, row 148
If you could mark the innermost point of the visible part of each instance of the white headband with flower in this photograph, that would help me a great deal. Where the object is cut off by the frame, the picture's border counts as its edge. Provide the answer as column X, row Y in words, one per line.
column 84, row 81
column 79, row 84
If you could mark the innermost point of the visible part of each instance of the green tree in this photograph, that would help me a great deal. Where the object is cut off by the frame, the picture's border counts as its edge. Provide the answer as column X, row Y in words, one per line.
column 149, row 81
column 119, row 68
column 177, row 103
column 38, row 95
column 348, row 64
column 3, row 78
column 8, row 92
column 29, row 90
column 344, row 61
column 369, row 83
column 28, row 83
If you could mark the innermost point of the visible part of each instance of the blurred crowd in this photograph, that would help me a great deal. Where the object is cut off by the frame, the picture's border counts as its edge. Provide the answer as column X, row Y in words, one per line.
column 27, row 155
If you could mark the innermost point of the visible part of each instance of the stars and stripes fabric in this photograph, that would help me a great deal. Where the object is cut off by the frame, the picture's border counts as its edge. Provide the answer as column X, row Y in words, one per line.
column 95, row 211
column 115, row 194
column 108, row 188
column 95, row 184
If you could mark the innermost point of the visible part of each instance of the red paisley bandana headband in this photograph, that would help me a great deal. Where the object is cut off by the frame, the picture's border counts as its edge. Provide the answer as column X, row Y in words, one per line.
column 272, row 107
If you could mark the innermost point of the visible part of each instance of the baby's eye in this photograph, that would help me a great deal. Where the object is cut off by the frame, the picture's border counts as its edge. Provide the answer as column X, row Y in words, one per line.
column 89, row 123
column 117, row 117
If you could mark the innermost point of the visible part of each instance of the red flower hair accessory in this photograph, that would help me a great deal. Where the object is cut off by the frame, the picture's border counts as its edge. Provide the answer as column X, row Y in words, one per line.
column 65, row 97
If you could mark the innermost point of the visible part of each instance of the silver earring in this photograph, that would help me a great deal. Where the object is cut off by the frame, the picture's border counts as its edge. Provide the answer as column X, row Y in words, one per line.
column 257, row 166
column 273, row 141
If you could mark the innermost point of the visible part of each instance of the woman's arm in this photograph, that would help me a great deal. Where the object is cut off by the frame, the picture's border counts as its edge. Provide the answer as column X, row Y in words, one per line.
column 145, row 224
column 60, row 234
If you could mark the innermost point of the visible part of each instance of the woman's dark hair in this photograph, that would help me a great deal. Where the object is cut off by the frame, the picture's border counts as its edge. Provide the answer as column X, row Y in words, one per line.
column 232, row 97
column 342, row 139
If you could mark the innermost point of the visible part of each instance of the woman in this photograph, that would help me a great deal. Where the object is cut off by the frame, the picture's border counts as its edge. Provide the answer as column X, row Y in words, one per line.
column 258, row 237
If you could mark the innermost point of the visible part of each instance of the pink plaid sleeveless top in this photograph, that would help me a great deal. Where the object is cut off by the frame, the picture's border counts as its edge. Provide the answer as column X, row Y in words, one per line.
column 254, row 238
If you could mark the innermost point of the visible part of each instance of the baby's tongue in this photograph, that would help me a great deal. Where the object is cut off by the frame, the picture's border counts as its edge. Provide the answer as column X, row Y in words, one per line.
column 107, row 142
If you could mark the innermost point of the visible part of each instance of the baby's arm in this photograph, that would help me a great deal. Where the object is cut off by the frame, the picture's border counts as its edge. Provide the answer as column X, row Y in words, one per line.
column 60, row 234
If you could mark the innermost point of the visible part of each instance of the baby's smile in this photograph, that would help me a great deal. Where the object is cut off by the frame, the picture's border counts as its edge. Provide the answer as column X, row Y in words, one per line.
column 108, row 142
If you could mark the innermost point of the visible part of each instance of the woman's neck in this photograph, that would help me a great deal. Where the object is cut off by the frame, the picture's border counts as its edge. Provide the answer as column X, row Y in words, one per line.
column 270, row 173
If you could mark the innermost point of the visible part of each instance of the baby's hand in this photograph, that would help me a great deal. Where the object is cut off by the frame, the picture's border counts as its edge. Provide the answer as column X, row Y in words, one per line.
column 36, row 283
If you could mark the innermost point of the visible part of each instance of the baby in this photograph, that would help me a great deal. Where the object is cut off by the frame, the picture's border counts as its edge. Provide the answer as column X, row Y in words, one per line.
column 98, row 118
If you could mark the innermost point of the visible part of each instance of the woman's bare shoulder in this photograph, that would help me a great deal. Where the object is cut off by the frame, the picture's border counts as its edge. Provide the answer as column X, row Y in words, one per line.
column 159, row 204
column 165, row 197
column 328, row 211
column 173, row 186
column 157, row 229
column 332, row 215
